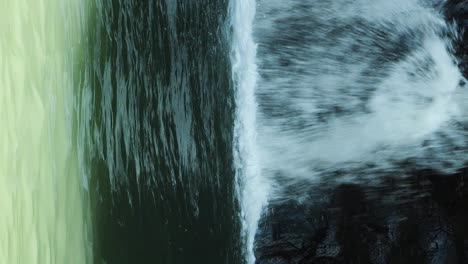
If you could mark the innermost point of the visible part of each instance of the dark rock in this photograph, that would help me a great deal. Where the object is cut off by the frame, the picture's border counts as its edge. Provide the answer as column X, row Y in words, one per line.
column 457, row 11
column 425, row 223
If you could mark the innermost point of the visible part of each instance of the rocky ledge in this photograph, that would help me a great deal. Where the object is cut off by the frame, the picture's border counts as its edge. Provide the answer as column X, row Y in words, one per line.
column 424, row 222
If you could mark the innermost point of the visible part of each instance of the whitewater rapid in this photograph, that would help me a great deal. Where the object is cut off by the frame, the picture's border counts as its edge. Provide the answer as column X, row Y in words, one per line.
column 349, row 88
column 253, row 189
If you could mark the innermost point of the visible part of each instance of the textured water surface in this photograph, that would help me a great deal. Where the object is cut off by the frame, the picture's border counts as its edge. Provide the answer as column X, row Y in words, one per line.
column 155, row 113
column 158, row 131
column 45, row 212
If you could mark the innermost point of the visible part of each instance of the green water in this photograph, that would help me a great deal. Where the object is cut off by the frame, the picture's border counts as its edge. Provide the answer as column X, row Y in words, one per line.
column 45, row 213
column 116, row 132
column 155, row 117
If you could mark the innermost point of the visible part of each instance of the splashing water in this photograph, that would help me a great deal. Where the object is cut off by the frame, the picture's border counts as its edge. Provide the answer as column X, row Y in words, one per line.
column 253, row 188
column 352, row 84
column 344, row 86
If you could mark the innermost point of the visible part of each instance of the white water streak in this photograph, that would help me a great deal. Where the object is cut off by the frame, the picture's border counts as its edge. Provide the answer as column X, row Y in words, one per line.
column 253, row 191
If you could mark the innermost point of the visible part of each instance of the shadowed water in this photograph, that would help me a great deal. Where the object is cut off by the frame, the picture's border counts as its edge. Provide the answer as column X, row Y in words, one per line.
column 155, row 109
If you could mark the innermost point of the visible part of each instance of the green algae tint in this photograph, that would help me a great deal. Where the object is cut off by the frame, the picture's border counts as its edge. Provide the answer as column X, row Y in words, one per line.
column 44, row 210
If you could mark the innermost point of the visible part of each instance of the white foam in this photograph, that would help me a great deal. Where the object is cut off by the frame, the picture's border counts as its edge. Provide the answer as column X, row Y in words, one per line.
column 363, row 82
column 253, row 189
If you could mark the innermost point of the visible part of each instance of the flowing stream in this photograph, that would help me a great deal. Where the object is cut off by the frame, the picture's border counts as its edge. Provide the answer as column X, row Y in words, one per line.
column 159, row 131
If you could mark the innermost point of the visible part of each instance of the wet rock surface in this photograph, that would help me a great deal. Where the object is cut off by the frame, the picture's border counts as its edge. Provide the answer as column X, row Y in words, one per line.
column 456, row 11
column 420, row 219
column 424, row 222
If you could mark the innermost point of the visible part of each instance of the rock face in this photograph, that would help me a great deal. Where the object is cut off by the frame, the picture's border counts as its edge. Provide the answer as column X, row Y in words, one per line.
column 424, row 222
column 457, row 11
